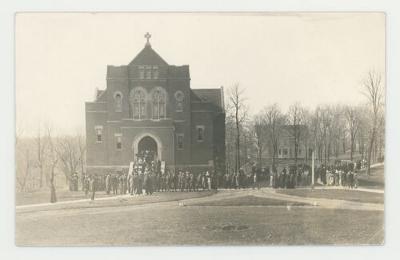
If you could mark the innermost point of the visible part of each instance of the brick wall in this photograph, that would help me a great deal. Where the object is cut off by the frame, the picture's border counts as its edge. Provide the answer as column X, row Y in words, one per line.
column 122, row 80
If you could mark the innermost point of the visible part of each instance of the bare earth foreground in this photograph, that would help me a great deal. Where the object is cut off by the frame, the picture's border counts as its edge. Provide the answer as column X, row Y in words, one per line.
column 228, row 217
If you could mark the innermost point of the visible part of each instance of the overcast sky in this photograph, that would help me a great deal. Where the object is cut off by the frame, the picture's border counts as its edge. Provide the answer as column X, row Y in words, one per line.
column 278, row 58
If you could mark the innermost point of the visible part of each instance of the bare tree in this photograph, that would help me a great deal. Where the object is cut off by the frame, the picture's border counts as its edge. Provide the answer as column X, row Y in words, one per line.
column 53, row 160
column 239, row 110
column 353, row 124
column 380, row 141
column 326, row 124
column 373, row 90
column 314, row 126
column 230, row 137
column 68, row 151
column 22, row 179
column 259, row 130
column 362, row 133
column 295, row 118
column 82, row 154
column 21, row 176
column 324, row 119
column 274, row 120
column 40, row 153
column 337, row 129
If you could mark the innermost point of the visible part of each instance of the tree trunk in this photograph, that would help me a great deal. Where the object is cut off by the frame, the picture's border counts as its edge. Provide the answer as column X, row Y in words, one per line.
column 371, row 145
column 53, row 197
column 41, row 177
column 351, row 147
column 237, row 141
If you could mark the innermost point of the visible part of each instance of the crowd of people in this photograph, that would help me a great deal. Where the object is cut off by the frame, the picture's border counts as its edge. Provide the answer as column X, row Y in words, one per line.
column 257, row 178
column 342, row 175
column 146, row 175
column 148, row 180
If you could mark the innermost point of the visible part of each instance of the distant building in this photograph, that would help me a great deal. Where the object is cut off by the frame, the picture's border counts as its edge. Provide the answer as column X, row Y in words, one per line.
column 286, row 147
column 148, row 105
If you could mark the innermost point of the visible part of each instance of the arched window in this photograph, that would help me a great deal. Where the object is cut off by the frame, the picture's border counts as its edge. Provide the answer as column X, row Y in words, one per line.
column 138, row 100
column 159, row 104
column 118, row 101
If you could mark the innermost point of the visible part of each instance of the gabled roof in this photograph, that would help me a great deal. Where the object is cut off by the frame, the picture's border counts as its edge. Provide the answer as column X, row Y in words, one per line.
column 148, row 56
column 212, row 95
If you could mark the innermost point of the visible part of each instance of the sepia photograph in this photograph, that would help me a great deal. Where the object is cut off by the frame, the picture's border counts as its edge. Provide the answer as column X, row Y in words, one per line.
column 200, row 129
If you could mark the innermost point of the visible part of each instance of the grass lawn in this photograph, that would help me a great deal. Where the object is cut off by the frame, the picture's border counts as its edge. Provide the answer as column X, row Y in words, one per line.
column 250, row 201
column 43, row 196
column 376, row 179
column 200, row 225
column 120, row 202
column 351, row 195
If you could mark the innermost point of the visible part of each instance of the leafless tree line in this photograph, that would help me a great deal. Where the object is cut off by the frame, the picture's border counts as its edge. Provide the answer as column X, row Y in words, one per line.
column 40, row 158
column 331, row 131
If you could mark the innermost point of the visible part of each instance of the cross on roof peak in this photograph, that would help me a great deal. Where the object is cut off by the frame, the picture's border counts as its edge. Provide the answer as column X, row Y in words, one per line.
column 147, row 36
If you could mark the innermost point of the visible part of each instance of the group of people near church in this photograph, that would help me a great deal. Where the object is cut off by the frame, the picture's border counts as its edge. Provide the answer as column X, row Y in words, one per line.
column 89, row 184
column 146, row 177
column 257, row 178
column 148, row 181
column 285, row 177
column 338, row 174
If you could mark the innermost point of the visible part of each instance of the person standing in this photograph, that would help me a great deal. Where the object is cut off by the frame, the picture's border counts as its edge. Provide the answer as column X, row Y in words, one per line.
column 355, row 180
column 114, row 184
column 198, row 182
column 208, row 177
column 151, row 184
column 130, row 183
column 182, row 181
column 125, row 183
column 187, row 181
column 192, row 182
column 92, row 186
column 226, row 180
column 215, row 180
column 254, row 180
column 146, row 182
column 158, row 180
column 76, row 180
column 271, row 179
column 351, row 179
column 86, row 185
column 108, row 183
column 175, row 180
column 135, row 182
column 140, row 183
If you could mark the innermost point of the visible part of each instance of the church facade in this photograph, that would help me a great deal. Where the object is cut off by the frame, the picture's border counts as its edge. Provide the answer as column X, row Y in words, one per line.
column 148, row 105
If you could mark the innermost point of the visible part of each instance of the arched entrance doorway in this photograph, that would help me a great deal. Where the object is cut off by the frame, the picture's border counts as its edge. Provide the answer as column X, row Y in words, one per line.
column 147, row 149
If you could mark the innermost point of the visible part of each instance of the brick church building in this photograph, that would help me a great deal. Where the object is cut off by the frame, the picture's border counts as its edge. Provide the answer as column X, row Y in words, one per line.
column 148, row 105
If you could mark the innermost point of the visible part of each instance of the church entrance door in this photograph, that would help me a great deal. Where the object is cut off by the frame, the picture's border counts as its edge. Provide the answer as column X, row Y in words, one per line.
column 147, row 149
